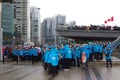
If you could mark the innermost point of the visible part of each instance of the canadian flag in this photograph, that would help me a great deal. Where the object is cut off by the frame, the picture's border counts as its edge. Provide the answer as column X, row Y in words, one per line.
column 109, row 20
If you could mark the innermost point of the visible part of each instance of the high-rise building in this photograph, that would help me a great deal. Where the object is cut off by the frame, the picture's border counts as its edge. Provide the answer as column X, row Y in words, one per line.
column 35, row 25
column 60, row 21
column 7, row 22
column 1, row 33
column 72, row 24
column 49, row 26
column 22, row 19
column 47, row 30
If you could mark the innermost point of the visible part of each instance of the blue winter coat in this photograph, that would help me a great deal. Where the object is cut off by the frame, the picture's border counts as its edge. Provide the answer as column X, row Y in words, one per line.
column 67, row 53
column 35, row 52
column 96, row 48
column 86, row 52
column 54, row 57
column 90, row 49
column 47, row 56
column 109, row 53
column 77, row 52
column 100, row 48
column 19, row 52
column 61, row 52
column 14, row 52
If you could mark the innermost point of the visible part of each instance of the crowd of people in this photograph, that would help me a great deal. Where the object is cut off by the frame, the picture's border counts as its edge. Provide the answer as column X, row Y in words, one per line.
column 59, row 57
column 94, row 27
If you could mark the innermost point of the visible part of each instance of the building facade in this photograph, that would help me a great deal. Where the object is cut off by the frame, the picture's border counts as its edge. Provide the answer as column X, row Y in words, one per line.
column 35, row 25
column 60, row 21
column 49, row 26
column 1, row 30
column 47, row 31
column 22, row 20
column 7, row 22
column 72, row 24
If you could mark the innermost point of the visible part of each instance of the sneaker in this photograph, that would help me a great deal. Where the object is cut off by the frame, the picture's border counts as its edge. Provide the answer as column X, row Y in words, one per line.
column 65, row 69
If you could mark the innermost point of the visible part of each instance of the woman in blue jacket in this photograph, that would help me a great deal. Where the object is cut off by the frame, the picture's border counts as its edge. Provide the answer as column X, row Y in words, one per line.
column 54, row 61
column 108, row 53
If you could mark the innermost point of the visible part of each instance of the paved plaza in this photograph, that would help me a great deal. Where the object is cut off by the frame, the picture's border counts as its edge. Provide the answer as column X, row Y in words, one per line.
column 27, row 71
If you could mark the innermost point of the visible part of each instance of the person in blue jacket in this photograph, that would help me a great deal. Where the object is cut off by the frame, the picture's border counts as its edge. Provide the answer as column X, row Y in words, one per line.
column 14, row 53
column 90, row 49
column 61, row 59
column 85, row 50
column 108, row 53
column 100, row 51
column 34, row 53
column 54, row 61
column 96, row 50
column 47, row 60
column 67, row 57
column 77, row 54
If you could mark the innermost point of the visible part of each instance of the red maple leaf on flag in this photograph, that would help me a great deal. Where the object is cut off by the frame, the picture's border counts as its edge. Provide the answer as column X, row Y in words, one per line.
column 105, row 22
column 112, row 18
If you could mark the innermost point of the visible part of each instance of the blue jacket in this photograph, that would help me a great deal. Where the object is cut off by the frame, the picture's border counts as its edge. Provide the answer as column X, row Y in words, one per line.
column 26, row 52
column 77, row 52
column 90, row 49
column 101, row 48
column 67, row 52
column 54, row 57
column 35, row 52
column 14, row 52
column 19, row 53
column 30, row 51
column 73, row 53
column 86, row 51
column 96, row 48
column 61, row 52
column 46, row 56
column 109, row 53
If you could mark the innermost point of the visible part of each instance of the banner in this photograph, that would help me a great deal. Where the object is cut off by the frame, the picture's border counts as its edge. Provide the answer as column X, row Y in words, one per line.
column 115, row 43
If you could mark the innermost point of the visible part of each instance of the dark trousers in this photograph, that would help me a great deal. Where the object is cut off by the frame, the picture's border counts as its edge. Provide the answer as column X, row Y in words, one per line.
column 34, row 58
column 100, row 56
column 49, row 68
column 61, row 63
column 45, row 66
column 85, row 65
column 96, row 55
column 67, row 63
column 54, row 70
column 108, row 62
column 91, row 57
column 77, row 62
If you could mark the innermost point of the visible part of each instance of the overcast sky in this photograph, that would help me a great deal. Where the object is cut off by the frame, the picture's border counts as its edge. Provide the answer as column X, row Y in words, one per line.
column 84, row 12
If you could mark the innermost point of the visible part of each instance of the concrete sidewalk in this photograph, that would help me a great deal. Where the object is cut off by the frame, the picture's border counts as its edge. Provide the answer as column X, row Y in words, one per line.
column 27, row 71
